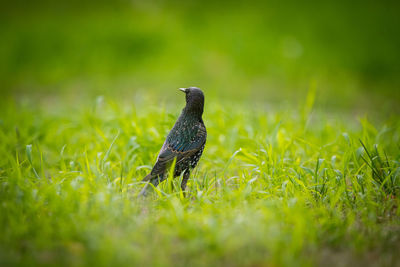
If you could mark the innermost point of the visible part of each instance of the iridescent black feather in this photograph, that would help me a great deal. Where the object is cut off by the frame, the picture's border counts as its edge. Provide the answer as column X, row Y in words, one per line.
column 185, row 142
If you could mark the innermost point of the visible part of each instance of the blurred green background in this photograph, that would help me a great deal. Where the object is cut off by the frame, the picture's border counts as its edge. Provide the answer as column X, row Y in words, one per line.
column 266, row 51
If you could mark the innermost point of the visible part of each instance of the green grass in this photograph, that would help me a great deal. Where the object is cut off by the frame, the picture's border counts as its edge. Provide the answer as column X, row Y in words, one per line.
column 275, row 186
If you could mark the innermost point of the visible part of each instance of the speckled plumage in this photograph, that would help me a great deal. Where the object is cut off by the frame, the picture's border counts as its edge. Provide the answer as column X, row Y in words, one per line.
column 185, row 142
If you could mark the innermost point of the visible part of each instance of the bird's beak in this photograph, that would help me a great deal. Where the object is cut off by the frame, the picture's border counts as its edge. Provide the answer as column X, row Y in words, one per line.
column 183, row 89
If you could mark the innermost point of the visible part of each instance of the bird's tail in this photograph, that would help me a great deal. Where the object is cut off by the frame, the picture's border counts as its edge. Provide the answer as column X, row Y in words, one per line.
column 145, row 189
column 154, row 180
column 147, row 178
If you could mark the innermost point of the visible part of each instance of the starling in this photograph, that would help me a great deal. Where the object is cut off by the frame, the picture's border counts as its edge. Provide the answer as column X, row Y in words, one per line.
column 185, row 142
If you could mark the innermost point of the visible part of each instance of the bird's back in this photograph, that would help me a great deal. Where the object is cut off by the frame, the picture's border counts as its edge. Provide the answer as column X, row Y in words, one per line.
column 184, row 140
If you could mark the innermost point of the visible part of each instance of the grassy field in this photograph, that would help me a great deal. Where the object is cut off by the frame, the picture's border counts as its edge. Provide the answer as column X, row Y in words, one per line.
column 274, row 187
column 302, row 161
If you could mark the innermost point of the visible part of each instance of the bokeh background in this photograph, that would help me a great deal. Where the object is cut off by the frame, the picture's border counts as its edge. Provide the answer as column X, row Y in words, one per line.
column 272, row 52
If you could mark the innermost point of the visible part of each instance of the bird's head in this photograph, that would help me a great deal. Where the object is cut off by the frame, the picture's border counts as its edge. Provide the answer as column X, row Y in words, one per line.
column 194, row 100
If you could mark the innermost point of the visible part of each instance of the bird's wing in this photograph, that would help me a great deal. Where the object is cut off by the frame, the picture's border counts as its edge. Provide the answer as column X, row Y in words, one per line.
column 179, row 145
column 183, row 144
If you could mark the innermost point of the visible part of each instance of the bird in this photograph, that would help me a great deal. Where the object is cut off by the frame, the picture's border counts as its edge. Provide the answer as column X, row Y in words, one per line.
column 184, row 143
